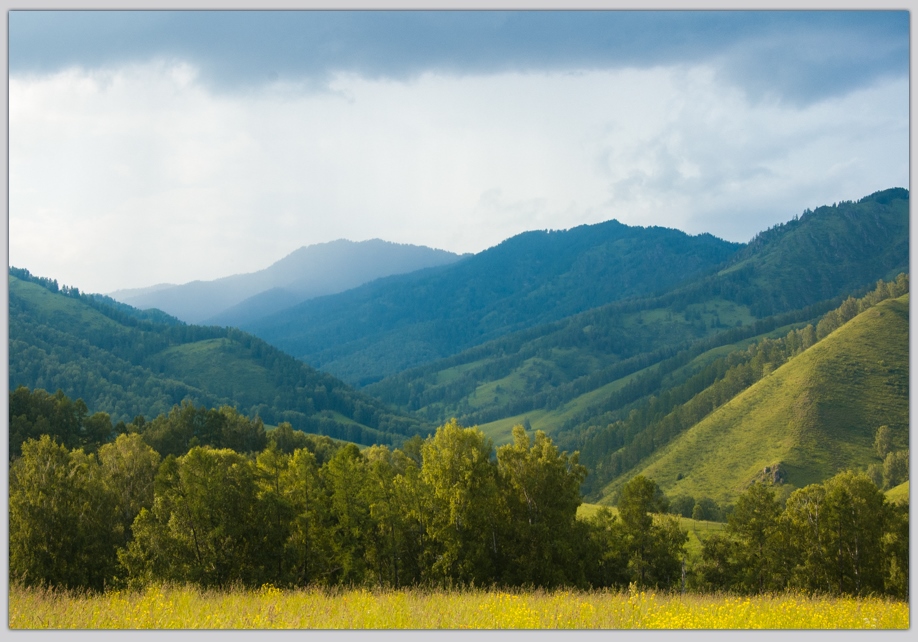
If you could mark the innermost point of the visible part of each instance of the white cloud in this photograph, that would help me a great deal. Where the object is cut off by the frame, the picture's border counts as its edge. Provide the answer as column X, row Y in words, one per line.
column 138, row 175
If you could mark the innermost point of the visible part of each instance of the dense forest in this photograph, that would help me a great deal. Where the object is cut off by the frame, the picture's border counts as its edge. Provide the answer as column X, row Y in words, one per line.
column 442, row 511
column 792, row 273
column 128, row 362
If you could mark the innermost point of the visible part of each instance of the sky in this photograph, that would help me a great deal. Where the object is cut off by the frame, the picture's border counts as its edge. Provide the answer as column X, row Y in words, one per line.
column 166, row 147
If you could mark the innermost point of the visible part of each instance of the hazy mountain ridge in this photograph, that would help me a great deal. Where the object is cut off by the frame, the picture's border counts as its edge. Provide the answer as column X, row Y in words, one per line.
column 535, row 277
column 310, row 271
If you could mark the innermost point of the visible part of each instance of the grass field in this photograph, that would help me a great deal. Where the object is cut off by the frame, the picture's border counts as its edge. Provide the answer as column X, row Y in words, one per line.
column 161, row 607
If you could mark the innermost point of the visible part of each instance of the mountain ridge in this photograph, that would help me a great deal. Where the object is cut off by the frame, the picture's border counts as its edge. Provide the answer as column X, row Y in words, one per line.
column 309, row 271
column 538, row 276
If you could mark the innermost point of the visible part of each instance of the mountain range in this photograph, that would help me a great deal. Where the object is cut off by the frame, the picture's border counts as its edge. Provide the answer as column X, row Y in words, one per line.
column 625, row 343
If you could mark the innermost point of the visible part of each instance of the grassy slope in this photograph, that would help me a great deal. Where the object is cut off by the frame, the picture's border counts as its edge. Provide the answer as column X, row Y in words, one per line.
column 815, row 416
column 548, row 421
column 898, row 493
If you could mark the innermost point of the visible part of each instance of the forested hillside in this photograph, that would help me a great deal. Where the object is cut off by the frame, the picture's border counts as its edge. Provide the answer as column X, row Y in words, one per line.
column 561, row 374
column 124, row 362
column 384, row 327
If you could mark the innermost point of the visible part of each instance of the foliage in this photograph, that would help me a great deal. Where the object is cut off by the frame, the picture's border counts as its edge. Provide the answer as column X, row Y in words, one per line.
column 36, row 413
column 61, row 517
column 841, row 537
column 542, row 495
column 615, row 449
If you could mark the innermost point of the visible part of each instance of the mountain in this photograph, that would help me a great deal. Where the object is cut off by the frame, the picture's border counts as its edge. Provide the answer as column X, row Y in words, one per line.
column 590, row 368
column 392, row 324
column 126, row 362
column 809, row 419
column 311, row 271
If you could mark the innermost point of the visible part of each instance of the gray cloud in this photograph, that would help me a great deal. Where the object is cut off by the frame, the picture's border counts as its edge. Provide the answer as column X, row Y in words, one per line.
column 799, row 56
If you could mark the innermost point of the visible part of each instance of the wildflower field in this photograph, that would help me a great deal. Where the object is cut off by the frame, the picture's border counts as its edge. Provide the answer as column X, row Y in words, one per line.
column 165, row 607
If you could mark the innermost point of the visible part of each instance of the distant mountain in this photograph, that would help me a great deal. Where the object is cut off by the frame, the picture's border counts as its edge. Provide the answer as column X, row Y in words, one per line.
column 128, row 362
column 395, row 323
column 311, row 271
column 571, row 373
column 809, row 419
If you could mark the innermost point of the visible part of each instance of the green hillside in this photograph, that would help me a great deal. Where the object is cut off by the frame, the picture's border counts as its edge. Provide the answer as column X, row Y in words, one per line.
column 395, row 323
column 127, row 363
column 809, row 419
column 898, row 493
column 633, row 286
column 552, row 373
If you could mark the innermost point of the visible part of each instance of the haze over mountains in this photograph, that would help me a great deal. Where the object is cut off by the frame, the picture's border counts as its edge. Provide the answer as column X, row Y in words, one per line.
column 617, row 341
column 392, row 324
column 311, row 271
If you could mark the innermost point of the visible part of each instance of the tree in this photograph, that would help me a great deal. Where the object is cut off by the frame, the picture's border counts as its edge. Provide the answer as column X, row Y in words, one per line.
column 719, row 569
column 895, row 550
column 463, row 524
column 61, row 513
column 754, row 523
column 275, row 515
column 654, row 545
column 345, row 479
column 895, row 468
column 605, row 548
column 542, row 489
column 204, row 523
column 36, row 413
column 882, row 441
column 308, row 547
column 128, row 469
column 856, row 516
column 682, row 505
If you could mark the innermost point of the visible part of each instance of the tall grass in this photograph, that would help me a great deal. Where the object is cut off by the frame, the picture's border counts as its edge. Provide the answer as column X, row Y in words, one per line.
column 182, row 607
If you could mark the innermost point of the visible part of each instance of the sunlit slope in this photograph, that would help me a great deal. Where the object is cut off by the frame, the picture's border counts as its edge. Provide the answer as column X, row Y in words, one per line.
column 898, row 493
column 812, row 417
column 567, row 417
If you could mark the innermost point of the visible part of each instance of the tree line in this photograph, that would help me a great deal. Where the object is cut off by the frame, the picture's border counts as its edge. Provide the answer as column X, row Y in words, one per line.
column 447, row 510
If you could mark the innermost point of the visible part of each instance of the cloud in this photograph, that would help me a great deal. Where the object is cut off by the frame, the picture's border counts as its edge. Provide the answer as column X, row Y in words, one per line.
column 803, row 56
column 125, row 176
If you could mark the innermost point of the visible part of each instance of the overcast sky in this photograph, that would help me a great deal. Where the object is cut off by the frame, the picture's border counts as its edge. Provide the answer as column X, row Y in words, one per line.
column 150, row 147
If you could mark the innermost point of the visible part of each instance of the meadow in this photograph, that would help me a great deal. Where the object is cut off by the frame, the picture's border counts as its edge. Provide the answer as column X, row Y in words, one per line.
column 184, row 607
